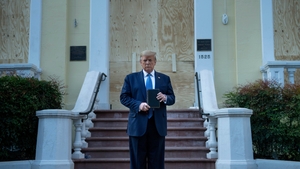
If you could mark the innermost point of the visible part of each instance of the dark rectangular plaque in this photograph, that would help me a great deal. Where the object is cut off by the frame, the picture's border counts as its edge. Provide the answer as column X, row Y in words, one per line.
column 203, row 44
column 77, row 53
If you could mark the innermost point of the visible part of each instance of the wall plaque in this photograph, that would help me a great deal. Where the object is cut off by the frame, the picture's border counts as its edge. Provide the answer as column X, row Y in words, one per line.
column 203, row 44
column 77, row 53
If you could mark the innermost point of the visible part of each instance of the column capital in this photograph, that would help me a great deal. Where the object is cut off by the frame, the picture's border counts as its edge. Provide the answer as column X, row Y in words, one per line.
column 233, row 112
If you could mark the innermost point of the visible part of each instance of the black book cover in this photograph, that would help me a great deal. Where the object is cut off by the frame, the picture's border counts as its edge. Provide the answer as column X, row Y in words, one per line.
column 151, row 98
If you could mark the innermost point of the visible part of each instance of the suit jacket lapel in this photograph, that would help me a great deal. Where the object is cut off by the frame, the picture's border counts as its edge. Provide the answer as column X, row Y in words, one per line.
column 157, row 79
column 142, row 83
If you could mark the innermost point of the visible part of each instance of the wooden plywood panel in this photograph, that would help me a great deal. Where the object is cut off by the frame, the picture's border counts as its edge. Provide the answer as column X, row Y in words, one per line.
column 175, row 29
column 165, row 26
column 286, row 16
column 14, row 29
column 133, row 27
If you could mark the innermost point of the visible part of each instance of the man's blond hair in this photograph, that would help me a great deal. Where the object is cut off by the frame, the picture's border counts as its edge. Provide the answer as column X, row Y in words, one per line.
column 148, row 53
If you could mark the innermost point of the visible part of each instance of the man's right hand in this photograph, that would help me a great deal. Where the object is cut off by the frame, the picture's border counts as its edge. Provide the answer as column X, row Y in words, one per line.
column 144, row 106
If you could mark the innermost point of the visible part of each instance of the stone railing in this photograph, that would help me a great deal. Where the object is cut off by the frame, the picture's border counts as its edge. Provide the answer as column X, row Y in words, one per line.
column 20, row 69
column 55, row 128
column 234, row 146
column 274, row 70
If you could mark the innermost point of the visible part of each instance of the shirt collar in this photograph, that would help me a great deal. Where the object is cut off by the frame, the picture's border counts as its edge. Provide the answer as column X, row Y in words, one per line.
column 145, row 73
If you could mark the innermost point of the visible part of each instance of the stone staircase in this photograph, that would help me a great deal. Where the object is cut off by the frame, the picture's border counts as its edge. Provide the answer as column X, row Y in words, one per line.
column 109, row 149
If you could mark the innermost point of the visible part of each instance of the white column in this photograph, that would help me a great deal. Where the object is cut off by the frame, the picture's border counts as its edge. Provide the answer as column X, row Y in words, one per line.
column 267, row 31
column 35, row 32
column 99, row 47
column 234, row 139
column 203, row 22
column 53, row 149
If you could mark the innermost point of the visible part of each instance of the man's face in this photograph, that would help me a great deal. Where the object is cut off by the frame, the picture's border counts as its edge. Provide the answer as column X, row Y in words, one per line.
column 148, row 63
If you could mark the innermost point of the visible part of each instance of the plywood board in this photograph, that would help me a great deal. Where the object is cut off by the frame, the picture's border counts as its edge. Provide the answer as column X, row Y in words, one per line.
column 286, row 16
column 14, row 29
column 165, row 26
column 133, row 27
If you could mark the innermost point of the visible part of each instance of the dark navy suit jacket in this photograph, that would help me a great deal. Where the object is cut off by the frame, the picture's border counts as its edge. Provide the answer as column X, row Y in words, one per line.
column 134, row 93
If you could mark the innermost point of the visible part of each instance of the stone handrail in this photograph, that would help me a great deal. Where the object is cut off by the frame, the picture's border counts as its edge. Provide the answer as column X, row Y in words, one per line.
column 274, row 70
column 234, row 130
column 55, row 128
column 20, row 69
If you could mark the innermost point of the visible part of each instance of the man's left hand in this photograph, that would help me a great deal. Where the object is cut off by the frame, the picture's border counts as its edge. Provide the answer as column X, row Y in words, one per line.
column 161, row 97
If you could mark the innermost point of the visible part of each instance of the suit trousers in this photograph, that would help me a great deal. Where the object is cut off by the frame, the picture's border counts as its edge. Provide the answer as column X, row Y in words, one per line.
column 148, row 148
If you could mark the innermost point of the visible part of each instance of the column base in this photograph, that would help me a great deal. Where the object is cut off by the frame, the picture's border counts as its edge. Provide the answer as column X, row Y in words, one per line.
column 236, row 164
column 78, row 156
column 211, row 155
column 52, row 164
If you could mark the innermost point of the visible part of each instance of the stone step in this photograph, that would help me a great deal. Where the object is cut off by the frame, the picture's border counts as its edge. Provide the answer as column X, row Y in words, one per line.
column 108, row 122
column 185, row 113
column 172, row 122
column 189, row 163
column 186, row 141
column 182, row 141
column 186, row 122
column 190, row 113
column 121, row 131
column 111, row 113
column 170, row 163
column 185, row 131
column 108, row 146
column 123, row 152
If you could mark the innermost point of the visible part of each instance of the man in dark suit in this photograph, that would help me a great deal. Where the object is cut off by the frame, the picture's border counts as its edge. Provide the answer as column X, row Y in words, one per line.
column 147, row 127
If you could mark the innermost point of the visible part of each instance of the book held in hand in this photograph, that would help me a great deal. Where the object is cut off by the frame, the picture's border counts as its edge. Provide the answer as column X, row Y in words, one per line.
column 151, row 98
